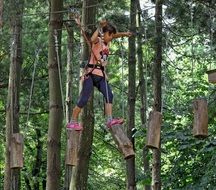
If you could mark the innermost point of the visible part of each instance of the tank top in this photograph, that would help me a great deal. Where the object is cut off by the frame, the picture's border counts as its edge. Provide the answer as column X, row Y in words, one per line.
column 101, row 51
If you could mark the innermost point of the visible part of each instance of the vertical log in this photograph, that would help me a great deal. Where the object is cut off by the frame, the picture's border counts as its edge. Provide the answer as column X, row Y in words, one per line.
column 16, row 159
column 212, row 76
column 124, row 144
column 200, row 124
column 154, row 130
column 73, row 138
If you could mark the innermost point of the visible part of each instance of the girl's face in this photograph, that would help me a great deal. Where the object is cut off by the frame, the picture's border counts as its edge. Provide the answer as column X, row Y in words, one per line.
column 108, row 37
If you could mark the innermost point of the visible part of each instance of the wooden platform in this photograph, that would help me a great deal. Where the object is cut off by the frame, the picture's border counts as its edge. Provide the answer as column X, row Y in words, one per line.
column 200, row 124
column 73, row 139
column 123, row 142
column 17, row 147
column 154, row 130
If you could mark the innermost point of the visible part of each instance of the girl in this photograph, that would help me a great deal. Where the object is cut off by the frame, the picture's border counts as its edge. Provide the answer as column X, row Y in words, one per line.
column 95, row 75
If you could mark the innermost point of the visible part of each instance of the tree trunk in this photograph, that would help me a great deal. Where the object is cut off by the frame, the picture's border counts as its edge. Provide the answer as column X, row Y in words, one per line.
column 38, row 161
column 12, row 176
column 131, row 183
column 156, row 167
column 81, row 179
column 143, row 92
column 55, row 100
column 70, row 48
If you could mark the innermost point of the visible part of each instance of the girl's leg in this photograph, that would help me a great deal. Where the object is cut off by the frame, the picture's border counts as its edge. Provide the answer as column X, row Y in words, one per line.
column 75, row 113
column 108, row 110
column 84, row 96
column 105, row 89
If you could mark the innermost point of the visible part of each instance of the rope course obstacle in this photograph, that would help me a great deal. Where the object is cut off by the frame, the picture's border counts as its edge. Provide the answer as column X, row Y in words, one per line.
column 154, row 130
column 155, row 117
column 200, row 105
column 200, row 124
column 17, row 146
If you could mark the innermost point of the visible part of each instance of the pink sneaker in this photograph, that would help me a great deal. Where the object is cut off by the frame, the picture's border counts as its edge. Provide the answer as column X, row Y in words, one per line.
column 74, row 126
column 117, row 121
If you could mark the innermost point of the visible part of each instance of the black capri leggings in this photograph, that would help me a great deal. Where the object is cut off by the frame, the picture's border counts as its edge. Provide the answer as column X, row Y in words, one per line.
column 88, row 85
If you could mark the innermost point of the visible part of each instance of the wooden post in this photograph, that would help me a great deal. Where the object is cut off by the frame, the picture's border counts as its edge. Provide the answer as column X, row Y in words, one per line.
column 73, row 138
column 16, row 151
column 212, row 76
column 124, row 144
column 154, row 129
column 200, row 124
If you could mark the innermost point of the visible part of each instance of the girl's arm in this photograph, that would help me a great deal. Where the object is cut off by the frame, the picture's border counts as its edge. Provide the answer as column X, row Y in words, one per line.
column 94, row 38
column 122, row 34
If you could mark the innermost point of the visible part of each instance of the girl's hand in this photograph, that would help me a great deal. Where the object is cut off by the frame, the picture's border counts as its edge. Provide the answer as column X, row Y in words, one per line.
column 103, row 23
column 82, row 78
column 77, row 20
column 128, row 34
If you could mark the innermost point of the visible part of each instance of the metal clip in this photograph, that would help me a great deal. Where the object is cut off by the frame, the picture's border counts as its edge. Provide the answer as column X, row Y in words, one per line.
column 73, row 12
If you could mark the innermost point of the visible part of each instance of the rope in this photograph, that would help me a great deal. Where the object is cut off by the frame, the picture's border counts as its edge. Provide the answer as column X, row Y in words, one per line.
column 1, row 15
column 211, row 36
column 122, row 76
column 165, row 82
column 146, row 71
column 39, row 31
column 192, row 45
column 13, row 54
column 59, row 70
column 32, row 83
column 54, row 12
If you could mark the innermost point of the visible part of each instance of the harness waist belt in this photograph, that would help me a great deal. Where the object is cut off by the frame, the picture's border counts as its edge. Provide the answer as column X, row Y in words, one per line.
column 96, row 66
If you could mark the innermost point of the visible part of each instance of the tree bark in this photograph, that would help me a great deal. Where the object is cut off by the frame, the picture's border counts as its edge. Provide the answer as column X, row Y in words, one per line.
column 81, row 178
column 38, row 161
column 156, row 167
column 143, row 92
column 12, row 176
column 55, row 100
column 131, row 182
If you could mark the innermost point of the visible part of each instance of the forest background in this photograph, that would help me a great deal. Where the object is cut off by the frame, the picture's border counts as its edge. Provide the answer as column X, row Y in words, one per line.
column 188, row 51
